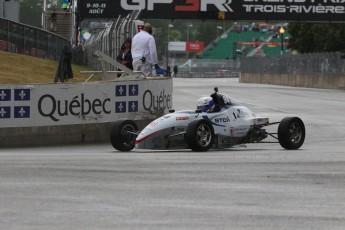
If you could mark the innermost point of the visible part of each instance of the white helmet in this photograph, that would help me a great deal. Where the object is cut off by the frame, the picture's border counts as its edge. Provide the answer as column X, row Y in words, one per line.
column 205, row 103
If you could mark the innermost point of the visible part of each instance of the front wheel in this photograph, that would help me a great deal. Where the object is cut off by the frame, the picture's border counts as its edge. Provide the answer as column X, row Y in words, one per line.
column 123, row 135
column 200, row 135
column 291, row 133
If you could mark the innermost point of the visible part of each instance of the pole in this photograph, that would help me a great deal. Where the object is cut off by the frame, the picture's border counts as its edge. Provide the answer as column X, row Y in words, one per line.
column 282, row 44
column 282, row 31
column 167, row 54
column 219, row 28
column 187, row 41
column 169, row 26
column 188, row 25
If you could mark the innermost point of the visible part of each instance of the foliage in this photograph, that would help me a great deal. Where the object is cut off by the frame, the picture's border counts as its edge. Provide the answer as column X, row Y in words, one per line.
column 30, row 12
column 175, row 35
column 307, row 37
column 202, row 31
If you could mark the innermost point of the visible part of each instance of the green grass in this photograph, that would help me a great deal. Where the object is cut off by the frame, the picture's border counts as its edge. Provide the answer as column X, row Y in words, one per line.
column 24, row 69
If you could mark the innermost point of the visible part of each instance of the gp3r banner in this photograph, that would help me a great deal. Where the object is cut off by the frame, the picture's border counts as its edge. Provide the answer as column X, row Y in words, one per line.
column 67, row 104
column 286, row 10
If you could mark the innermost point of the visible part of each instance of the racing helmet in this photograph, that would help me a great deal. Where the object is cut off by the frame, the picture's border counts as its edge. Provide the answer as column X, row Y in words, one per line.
column 205, row 104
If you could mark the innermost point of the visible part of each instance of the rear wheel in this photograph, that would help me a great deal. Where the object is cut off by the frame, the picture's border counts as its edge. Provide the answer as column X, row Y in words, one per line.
column 200, row 135
column 291, row 133
column 122, row 135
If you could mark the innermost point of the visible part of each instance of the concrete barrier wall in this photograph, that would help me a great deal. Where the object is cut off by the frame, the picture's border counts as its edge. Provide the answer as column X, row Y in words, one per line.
column 308, row 81
column 55, row 135
column 48, row 114
column 219, row 74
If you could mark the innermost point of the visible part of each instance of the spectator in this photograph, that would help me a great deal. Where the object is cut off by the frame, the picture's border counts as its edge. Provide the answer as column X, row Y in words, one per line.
column 53, row 19
column 125, row 55
column 144, row 51
column 65, row 5
column 175, row 70
column 168, row 72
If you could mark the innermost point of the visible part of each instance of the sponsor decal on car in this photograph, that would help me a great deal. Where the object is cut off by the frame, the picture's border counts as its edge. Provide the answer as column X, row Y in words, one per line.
column 222, row 120
column 182, row 118
column 241, row 113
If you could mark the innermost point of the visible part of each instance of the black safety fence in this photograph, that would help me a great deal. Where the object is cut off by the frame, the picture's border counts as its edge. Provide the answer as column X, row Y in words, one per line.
column 23, row 39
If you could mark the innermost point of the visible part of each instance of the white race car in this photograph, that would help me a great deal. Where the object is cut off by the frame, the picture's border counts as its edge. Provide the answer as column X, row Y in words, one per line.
column 203, row 128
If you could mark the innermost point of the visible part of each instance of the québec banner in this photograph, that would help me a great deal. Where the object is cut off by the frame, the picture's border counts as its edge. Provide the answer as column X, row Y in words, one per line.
column 284, row 10
column 67, row 104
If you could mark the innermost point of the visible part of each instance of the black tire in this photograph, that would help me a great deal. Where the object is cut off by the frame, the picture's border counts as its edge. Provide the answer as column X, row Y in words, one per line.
column 121, row 135
column 291, row 133
column 200, row 135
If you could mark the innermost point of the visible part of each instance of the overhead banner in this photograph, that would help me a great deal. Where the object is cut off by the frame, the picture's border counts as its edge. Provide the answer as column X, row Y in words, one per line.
column 286, row 10
column 177, row 46
column 95, row 9
column 194, row 46
column 67, row 104
column 185, row 46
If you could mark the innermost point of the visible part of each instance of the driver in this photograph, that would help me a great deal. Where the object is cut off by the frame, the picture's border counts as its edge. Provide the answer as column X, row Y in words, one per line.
column 206, row 104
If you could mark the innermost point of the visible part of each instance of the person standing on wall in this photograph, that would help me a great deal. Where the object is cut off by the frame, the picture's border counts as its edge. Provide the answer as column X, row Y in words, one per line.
column 144, row 52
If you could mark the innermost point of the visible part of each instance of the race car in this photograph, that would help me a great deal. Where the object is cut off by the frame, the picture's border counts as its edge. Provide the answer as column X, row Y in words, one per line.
column 208, row 126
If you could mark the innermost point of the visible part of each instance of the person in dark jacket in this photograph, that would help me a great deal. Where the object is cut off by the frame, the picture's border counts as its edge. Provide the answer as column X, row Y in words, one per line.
column 125, row 56
column 175, row 70
column 64, row 70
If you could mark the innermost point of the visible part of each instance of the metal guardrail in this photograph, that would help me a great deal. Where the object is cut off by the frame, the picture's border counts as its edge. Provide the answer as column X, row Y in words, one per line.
column 23, row 39
column 323, row 64
column 126, row 73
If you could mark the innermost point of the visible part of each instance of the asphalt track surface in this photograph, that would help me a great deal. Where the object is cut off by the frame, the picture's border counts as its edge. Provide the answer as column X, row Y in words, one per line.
column 254, row 186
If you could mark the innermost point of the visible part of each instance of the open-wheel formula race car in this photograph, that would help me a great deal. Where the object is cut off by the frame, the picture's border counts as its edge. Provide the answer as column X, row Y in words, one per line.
column 205, row 128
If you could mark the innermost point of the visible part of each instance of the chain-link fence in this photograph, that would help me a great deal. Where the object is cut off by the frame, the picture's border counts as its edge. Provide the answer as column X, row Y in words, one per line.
column 108, row 41
column 326, row 64
column 23, row 39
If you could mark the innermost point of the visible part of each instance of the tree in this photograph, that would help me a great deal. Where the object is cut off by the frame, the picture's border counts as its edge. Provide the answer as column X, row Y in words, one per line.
column 308, row 37
column 202, row 31
column 175, row 35
column 30, row 12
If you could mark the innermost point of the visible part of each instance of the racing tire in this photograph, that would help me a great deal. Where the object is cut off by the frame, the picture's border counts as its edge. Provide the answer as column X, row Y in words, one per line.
column 199, row 135
column 122, row 135
column 291, row 133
